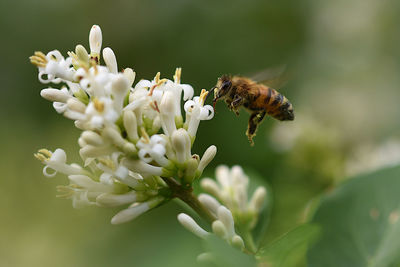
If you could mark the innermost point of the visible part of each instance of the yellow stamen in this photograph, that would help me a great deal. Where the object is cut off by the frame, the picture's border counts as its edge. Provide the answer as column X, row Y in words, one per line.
column 38, row 59
column 46, row 152
column 145, row 137
column 108, row 163
column 157, row 84
column 203, row 96
column 157, row 77
column 98, row 105
column 177, row 76
column 40, row 157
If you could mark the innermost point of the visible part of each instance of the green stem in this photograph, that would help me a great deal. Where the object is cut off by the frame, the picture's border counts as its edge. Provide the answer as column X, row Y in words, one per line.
column 187, row 196
column 249, row 241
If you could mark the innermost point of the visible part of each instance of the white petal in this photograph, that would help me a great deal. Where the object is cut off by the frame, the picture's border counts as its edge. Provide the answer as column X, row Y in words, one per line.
column 130, row 213
column 144, row 155
column 48, row 174
column 191, row 225
column 189, row 105
column 113, row 200
column 143, row 83
column 59, row 155
column 187, row 91
column 60, row 107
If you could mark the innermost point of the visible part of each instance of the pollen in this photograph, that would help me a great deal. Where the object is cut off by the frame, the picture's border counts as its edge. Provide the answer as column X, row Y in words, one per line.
column 157, row 77
column 145, row 137
column 98, row 105
column 38, row 59
column 108, row 163
column 43, row 155
column 158, row 83
column 177, row 76
column 203, row 96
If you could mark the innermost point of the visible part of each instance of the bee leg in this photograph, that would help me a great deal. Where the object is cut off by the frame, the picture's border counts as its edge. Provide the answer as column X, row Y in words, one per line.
column 236, row 103
column 254, row 120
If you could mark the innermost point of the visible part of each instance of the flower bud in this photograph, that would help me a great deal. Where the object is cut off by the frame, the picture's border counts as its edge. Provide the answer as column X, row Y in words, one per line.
column 258, row 198
column 181, row 144
column 191, row 225
column 209, row 202
column 142, row 167
column 136, row 210
column 210, row 186
column 95, row 41
column 54, row 95
column 237, row 242
column 219, row 229
column 76, row 105
column 93, row 152
column 114, row 136
column 167, row 111
column 190, row 171
column 208, row 156
column 130, row 125
column 120, row 88
column 130, row 75
column 225, row 216
column 130, row 213
column 113, row 200
column 110, row 60
column 206, row 258
column 92, row 138
column 82, row 56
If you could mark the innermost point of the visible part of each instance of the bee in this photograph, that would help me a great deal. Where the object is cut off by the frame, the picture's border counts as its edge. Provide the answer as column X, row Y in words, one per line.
column 256, row 98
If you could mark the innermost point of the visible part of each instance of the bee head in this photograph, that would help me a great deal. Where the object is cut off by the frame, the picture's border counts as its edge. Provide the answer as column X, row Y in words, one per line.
column 222, row 88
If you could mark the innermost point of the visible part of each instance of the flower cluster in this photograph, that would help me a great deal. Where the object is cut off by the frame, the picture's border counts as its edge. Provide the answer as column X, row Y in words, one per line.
column 136, row 144
column 228, row 202
column 132, row 135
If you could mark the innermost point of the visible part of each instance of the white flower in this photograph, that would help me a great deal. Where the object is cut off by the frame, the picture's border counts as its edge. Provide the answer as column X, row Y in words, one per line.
column 223, row 227
column 181, row 145
column 132, row 137
column 196, row 111
column 57, row 161
column 231, row 191
column 111, row 167
column 83, row 190
column 135, row 210
column 53, row 67
column 100, row 113
column 168, row 112
column 153, row 149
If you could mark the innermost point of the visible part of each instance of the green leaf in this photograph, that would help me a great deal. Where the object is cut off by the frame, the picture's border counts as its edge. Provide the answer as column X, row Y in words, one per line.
column 223, row 255
column 360, row 222
column 290, row 249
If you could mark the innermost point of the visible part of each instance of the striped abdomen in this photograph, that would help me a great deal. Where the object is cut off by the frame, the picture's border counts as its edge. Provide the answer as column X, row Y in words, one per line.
column 273, row 102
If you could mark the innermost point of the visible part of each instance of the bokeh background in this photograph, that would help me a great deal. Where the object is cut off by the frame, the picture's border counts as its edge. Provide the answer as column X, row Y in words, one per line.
column 344, row 63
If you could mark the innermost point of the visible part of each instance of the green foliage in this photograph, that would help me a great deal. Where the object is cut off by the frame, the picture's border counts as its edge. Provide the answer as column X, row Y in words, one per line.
column 360, row 223
column 290, row 249
column 225, row 255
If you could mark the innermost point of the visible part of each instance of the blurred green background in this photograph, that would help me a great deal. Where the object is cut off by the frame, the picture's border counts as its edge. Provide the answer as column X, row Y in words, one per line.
column 344, row 60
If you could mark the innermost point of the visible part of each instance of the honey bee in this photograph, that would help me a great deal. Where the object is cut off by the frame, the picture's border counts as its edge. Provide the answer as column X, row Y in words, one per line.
column 257, row 98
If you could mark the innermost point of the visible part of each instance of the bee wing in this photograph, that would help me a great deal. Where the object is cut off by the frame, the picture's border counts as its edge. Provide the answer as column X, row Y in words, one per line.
column 275, row 77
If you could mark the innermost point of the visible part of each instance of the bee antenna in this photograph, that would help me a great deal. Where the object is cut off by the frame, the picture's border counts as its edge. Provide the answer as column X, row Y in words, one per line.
column 210, row 92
